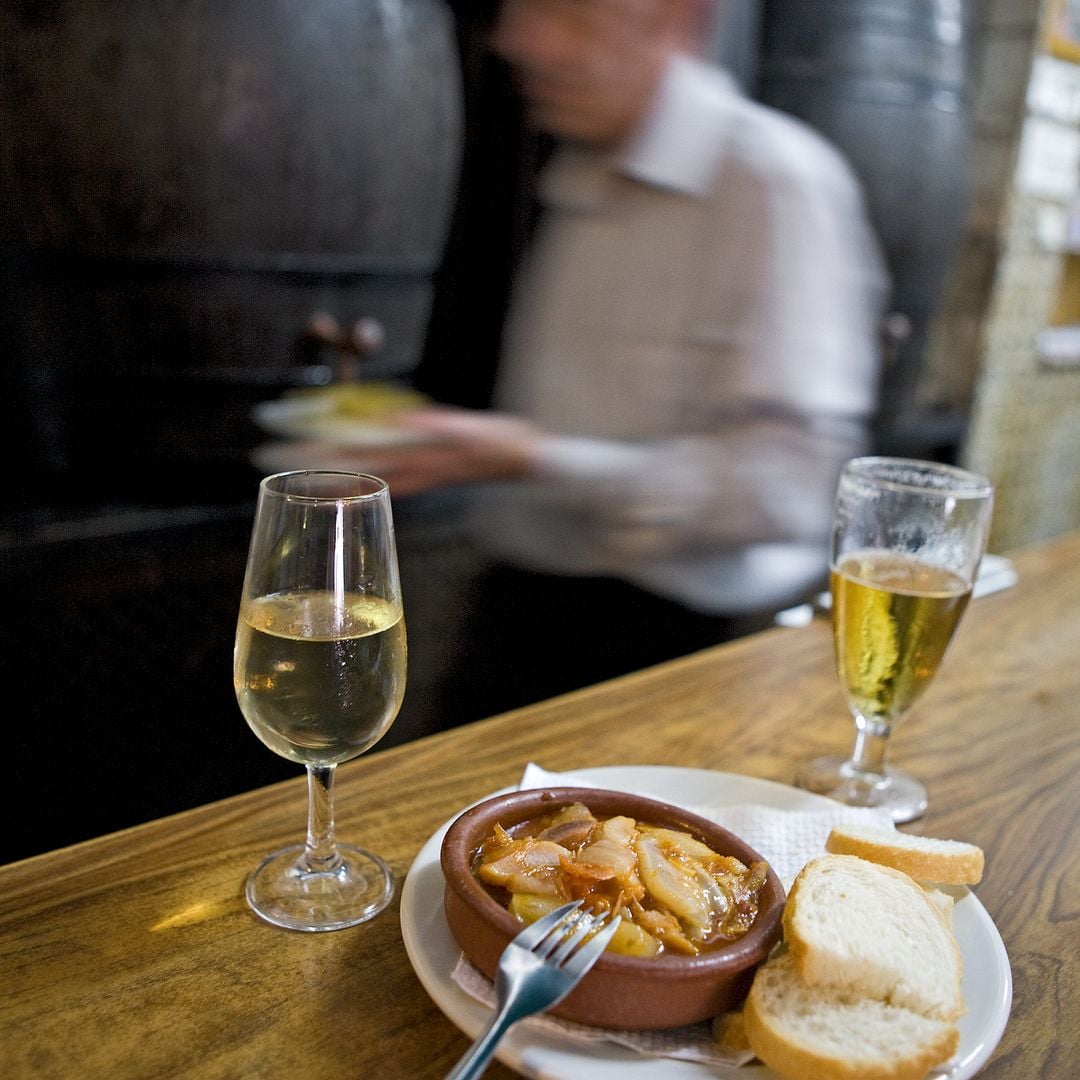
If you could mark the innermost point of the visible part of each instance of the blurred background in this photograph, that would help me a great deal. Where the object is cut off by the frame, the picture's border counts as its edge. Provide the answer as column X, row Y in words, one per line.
column 184, row 186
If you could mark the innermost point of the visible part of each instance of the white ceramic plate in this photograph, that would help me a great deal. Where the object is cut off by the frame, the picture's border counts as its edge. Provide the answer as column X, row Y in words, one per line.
column 302, row 418
column 543, row 1056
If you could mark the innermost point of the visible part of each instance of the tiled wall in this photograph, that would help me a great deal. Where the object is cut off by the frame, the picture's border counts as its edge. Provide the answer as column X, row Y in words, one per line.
column 1025, row 425
column 1024, row 416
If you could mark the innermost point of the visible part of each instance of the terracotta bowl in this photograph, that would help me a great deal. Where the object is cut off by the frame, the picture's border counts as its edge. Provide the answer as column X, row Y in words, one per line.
column 622, row 992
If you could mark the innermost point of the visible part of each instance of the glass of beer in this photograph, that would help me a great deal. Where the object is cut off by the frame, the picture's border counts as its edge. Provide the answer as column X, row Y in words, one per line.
column 907, row 540
column 319, row 673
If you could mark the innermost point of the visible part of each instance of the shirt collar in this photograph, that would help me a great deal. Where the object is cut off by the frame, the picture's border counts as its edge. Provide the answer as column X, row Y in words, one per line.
column 676, row 147
column 679, row 143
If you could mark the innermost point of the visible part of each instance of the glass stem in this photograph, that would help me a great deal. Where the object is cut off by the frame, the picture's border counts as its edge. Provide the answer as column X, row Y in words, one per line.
column 320, row 850
column 871, row 744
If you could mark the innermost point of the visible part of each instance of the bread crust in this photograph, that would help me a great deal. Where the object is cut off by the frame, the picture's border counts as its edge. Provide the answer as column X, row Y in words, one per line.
column 944, row 862
column 779, row 1044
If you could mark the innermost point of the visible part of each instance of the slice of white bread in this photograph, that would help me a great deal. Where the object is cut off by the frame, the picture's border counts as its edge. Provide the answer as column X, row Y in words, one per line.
column 868, row 929
column 804, row 1032
column 945, row 862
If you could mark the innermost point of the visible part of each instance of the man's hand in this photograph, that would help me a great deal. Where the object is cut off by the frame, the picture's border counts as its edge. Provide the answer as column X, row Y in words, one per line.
column 456, row 446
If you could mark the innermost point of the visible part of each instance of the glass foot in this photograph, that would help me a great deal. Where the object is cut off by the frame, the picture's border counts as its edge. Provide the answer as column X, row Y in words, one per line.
column 284, row 891
column 902, row 795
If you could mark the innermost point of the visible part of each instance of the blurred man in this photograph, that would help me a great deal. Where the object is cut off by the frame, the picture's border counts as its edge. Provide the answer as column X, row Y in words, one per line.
column 690, row 357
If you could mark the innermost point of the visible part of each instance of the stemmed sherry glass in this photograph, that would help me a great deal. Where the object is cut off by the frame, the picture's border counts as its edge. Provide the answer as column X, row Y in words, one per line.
column 319, row 672
column 907, row 540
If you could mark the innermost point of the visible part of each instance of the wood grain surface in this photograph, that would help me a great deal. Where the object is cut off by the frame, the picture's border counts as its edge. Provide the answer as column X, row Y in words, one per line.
column 134, row 955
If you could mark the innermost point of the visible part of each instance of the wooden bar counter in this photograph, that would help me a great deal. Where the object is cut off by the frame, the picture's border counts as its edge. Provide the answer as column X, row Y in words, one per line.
column 135, row 956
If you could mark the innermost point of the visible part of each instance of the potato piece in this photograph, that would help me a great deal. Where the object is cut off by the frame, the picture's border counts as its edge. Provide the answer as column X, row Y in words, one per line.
column 528, row 907
column 632, row 940
column 629, row 939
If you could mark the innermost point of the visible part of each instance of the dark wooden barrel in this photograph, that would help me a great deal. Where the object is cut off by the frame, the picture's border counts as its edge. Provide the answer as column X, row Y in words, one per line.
column 737, row 39
column 184, row 184
column 888, row 82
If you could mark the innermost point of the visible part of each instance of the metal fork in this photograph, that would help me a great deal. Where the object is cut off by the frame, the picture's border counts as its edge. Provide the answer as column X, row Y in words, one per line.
column 536, row 971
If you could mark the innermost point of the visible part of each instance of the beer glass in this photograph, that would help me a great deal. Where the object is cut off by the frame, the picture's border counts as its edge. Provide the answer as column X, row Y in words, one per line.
column 907, row 539
column 319, row 673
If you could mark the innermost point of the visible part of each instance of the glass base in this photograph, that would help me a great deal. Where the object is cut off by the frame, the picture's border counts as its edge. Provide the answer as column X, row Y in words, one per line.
column 284, row 891
column 902, row 795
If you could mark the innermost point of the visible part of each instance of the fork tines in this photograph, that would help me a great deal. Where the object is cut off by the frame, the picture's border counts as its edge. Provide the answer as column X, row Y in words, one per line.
column 569, row 933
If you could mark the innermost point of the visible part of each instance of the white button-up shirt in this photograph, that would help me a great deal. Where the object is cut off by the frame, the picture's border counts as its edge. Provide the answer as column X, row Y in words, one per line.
column 698, row 326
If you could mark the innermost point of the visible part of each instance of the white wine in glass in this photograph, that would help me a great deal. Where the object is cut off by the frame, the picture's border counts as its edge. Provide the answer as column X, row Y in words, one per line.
column 319, row 671
column 907, row 540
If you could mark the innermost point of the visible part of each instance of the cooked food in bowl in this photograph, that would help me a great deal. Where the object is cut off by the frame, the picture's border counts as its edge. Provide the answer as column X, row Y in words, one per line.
column 674, row 893
column 663, row 985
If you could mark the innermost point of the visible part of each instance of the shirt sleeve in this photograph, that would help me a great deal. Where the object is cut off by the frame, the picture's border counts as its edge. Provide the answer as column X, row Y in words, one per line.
column 764, row 480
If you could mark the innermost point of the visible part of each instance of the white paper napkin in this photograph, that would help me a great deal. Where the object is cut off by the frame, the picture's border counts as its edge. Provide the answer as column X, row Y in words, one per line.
column 785, row 838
